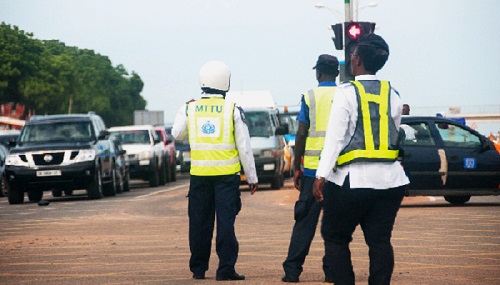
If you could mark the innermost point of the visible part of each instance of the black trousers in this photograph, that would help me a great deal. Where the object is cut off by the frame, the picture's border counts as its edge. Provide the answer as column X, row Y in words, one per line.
column 306, row 215
column 213, row 197
column 343, row 210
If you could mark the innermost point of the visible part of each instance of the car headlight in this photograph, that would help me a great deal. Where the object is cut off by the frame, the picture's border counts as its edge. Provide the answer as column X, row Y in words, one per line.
column 145, row 155
column 85, row 155
column 16, row 160
column 268, row 153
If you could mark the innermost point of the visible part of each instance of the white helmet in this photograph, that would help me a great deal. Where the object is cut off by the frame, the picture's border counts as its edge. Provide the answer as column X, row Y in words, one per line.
column 215, row 75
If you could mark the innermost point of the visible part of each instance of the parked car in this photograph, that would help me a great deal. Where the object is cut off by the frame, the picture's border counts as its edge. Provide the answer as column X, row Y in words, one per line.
column 268, row 145
column 145, row 151
column 120, row 170
column 3, row 155
column 183, row 155
column 8, row 137
column 443, row 157
column 59, row 153
column 169, row 145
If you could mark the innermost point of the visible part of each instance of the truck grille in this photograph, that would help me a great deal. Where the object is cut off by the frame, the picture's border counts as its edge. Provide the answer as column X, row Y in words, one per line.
column 53, row 158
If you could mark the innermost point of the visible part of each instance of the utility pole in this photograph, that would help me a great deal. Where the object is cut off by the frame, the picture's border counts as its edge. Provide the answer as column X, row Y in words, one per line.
column 348, row 10
column 348, row 18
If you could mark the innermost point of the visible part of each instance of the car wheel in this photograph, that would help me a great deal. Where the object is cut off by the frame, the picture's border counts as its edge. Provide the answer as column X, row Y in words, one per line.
column 154, row 176
column 163, row 174
column 35, row 195
column 173, row 172
column 94, row 189
column 68, row 192
column 3, row 189
column 126, row 182
column 276, row 184
column 110, row 188
column 457, row 200
column 119, row 182
column 56, row 193
column 15, row 193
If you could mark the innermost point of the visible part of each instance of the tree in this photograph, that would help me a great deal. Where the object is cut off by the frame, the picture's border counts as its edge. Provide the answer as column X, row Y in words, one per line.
column 53, row 78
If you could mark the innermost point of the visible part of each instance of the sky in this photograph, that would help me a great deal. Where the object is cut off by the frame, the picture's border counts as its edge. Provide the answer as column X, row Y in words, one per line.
column 442, row 53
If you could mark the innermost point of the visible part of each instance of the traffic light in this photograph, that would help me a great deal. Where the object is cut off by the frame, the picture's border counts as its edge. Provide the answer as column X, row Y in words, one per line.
column 339, row 35
column 352, row 32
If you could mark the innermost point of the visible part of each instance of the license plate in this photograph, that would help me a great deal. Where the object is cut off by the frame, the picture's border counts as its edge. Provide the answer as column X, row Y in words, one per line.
column 243, row 177
column 48, row 173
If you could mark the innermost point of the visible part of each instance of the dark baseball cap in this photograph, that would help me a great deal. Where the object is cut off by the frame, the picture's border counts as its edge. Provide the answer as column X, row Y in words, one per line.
column 327, row 63
column 373, row 41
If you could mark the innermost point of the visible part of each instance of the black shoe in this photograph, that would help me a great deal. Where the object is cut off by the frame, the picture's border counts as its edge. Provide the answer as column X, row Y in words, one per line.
column 199, row 275
column 230, row 276
column 291, row 279
column 328, row 280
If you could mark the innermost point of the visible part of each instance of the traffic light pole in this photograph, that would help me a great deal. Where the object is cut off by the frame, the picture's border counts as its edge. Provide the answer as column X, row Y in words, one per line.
column 348, row 17
column 348, row 10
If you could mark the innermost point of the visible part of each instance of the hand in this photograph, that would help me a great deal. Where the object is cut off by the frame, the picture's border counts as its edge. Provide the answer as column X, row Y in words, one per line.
column 297, row 176
column 318, row 185
column 253, row 187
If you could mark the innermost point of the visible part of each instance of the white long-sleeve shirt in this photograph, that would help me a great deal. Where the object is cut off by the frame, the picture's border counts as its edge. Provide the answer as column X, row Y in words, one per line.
column 341, row 125
column 241, row 136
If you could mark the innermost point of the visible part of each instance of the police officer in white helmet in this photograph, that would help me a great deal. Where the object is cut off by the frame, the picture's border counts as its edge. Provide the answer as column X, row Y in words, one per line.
column 220, row 145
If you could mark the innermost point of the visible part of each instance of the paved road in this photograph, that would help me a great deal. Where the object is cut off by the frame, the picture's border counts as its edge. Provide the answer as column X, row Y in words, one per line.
column 140, row 237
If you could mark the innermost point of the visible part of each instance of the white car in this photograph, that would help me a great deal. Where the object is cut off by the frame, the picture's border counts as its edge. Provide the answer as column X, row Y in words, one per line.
column 145, row 152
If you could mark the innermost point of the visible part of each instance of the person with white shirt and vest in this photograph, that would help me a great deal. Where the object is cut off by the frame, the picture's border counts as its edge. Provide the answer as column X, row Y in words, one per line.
column 220, row 145
column 358, row 179
column 313, row 119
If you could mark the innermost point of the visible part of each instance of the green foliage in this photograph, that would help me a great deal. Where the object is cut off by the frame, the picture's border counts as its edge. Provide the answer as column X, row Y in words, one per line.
column 52, row 78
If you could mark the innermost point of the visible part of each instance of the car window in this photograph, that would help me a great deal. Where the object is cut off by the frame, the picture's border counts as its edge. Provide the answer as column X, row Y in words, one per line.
column 416, row 134
column 457, row 136
column 259, row 124
column 132, row 137
column 57, row 131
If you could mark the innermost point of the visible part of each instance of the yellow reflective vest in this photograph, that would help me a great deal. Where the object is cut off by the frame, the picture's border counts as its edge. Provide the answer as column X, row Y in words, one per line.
column 375, row 135
column 319, row 101
column 211, row 137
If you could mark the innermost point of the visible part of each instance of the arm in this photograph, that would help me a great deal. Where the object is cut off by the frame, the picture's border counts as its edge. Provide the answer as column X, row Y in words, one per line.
column 180, row 127
column 242, row 138
column 336, row 131
column 300, row 147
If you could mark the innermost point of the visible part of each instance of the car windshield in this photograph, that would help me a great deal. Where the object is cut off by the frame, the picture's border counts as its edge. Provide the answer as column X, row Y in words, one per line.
column 259, row 124
column 132, row 137
column 290, row 119
column 57, row 132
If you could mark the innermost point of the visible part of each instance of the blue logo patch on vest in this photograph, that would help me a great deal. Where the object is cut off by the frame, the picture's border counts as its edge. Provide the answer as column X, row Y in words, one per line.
column 208, row 128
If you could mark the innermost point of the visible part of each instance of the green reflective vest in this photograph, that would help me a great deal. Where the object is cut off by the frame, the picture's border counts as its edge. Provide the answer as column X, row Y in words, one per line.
column 319, row 101
column 375, row 135
column 211, row 137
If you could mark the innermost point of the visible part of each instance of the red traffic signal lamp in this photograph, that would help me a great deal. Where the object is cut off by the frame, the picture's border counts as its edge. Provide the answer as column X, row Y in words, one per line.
column 352, row 32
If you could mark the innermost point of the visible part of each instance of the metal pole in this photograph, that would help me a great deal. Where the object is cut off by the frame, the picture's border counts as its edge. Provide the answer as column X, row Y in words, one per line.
column 348, row 10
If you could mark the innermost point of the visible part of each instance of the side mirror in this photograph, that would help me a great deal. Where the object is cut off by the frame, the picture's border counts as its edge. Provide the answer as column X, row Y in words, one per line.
column 486, row 144
column 122, row 152
column 280, row 131
column 11, row 143
column 103, row 134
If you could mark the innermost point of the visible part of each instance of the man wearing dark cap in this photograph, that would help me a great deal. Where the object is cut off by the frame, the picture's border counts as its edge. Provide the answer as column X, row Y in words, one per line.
column 364, row 181
column 313, row 119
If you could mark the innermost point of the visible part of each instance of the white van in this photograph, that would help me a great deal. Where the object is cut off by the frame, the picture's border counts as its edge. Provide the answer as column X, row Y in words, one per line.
column 266, row 134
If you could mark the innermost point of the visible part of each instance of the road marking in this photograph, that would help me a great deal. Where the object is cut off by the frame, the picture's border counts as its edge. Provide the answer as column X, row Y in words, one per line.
column 160, row 191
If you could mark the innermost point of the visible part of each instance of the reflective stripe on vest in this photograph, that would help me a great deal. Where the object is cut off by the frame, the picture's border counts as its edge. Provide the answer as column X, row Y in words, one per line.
column 211, row 138
column 373, row 140
column 319, row 102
